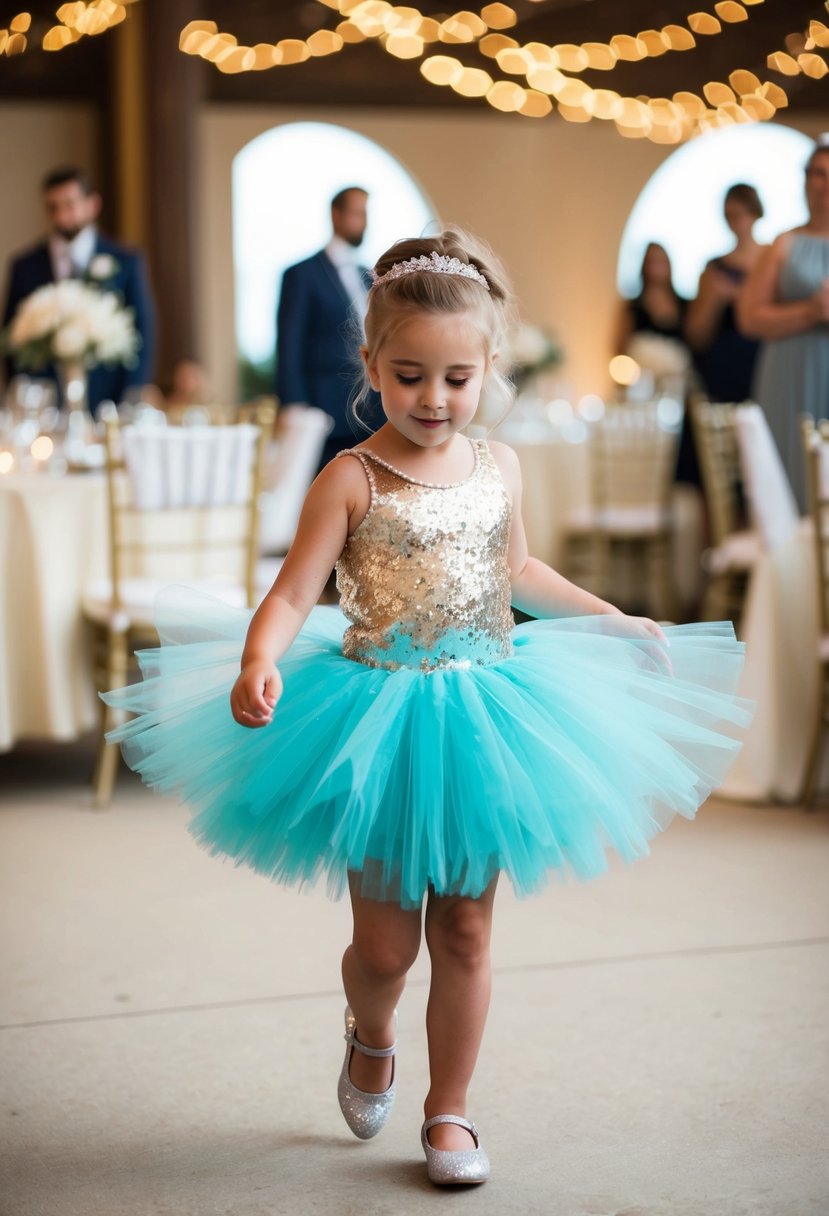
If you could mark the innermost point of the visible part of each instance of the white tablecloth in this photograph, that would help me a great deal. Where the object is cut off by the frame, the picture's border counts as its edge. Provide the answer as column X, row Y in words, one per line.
column 53, row 539
column 780, row 629
column 556, row 478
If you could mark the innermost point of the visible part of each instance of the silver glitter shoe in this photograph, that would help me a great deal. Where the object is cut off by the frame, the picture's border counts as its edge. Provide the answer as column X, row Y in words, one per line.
column 448, row 1168
column 366, row 1114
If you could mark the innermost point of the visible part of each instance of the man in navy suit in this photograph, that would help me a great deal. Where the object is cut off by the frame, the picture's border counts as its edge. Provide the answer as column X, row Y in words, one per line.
column 321, row 305
column 75, row 249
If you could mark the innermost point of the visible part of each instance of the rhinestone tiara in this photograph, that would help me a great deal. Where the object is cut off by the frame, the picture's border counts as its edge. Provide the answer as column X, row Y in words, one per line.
column 434, row 263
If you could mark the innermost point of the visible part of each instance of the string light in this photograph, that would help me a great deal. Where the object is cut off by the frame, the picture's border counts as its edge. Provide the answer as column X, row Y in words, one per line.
column 79, row 20
column 13, row 41
column 550, row 71
column 800, row 57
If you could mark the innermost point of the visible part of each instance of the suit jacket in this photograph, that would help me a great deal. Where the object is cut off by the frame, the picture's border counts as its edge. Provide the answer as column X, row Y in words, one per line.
column 33, row 269
column 317, row 360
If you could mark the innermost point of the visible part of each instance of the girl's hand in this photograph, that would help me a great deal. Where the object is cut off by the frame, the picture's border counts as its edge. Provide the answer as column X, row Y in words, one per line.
column 642, row 627
column 255, row 694
column 654, row 653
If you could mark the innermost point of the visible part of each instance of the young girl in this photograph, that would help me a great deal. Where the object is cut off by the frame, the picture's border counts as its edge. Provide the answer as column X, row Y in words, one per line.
column 419, row 745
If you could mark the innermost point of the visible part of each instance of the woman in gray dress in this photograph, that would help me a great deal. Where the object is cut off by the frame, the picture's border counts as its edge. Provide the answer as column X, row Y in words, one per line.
column 785, row 303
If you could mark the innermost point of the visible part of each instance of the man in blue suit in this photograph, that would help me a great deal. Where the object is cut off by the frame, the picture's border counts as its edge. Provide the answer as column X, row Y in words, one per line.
column 75, row 249
column 321, row 305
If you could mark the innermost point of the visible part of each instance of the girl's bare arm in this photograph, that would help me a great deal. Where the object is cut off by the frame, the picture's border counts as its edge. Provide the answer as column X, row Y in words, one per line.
column 336, row 503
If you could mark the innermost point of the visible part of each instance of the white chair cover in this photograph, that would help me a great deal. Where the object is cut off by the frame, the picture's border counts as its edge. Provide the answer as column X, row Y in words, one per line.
column 290, row 466
column 771, row 501
column 192, row 466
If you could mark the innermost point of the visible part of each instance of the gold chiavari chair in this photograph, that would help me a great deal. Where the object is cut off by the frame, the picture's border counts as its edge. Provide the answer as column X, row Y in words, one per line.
column 218, row 413
column 734, row 548
column 183, row 507
column 629, row 524
column 816, row 453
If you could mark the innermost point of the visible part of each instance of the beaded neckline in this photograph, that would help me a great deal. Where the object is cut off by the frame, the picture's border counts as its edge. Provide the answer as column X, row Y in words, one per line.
column 429, row 485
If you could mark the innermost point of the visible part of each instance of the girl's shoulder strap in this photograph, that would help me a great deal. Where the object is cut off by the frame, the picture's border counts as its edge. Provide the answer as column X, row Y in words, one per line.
column 484, row 458
column 368, row 469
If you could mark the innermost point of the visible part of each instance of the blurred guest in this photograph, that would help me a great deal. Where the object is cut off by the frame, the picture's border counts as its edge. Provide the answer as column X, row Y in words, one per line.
column 660, row 310
column 74, row 248
column 785, row 303
column 725, row 357
column 188, row 384
column 657, row 309
column 322, row 301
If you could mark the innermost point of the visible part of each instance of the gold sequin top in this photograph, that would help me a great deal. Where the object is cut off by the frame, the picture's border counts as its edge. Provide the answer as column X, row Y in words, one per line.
column 424, row 578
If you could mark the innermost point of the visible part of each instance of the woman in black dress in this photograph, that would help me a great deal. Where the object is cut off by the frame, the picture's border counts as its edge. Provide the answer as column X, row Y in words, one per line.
column 724, row 357
column 657, row 309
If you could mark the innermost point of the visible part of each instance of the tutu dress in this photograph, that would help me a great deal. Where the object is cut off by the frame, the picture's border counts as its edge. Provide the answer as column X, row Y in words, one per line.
column 421, row 740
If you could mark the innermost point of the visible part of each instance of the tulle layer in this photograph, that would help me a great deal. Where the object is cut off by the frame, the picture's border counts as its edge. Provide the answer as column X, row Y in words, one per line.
column 580, row 742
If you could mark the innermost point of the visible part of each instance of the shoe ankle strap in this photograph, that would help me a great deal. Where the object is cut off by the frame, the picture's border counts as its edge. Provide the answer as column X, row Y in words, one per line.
column 377, row 1052
column 461, row 1122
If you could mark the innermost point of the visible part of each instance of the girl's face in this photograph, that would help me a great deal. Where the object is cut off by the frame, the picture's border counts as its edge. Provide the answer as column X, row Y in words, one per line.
column 429, row 375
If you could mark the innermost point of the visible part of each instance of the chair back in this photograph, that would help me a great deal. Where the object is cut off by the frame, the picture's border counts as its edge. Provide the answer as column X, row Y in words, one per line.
column 184, row 502
column 771, row 503
column 715, row 435
column 209, row 414
column 633, row 458
column 816, row 451
column 291, row 462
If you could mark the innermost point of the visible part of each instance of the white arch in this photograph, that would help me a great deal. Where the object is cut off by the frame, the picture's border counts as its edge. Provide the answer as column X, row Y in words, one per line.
column 681, row 205
column 283, row 183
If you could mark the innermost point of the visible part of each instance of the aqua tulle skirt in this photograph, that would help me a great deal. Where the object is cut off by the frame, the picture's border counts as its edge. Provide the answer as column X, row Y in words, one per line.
column 581, row 742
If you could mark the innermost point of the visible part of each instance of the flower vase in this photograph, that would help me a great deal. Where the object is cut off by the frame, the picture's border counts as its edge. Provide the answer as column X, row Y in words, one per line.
column 74, row 389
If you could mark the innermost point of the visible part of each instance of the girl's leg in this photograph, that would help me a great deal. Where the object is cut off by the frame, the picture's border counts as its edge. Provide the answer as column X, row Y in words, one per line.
column 384, row 945
column 458, row 933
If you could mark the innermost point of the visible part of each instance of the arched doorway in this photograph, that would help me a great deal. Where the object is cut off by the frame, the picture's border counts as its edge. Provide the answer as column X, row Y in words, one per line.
column 283, row 183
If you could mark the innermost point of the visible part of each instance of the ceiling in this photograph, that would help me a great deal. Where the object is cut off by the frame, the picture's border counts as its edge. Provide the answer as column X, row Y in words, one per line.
column 364, row 75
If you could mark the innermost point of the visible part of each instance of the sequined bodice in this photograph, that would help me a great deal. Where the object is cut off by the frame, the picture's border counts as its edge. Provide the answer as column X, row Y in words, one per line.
column 424, row 578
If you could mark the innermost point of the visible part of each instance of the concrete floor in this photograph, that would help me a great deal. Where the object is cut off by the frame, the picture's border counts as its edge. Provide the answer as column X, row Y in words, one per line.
column 171, row 1027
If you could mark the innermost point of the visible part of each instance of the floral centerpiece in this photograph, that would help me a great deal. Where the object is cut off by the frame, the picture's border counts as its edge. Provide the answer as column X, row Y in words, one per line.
column 663, row 362
column 530, row 350
column 74, row 325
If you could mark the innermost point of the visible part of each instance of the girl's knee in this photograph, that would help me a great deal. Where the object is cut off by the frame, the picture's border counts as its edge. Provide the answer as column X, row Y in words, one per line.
column 383, row 956
column 462, row 930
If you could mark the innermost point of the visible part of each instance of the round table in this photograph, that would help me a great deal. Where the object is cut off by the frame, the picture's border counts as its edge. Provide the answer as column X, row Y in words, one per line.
column 53, row 541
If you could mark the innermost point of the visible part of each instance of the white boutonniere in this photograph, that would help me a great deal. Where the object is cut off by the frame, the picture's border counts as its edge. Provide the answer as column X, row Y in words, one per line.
column 102, row 267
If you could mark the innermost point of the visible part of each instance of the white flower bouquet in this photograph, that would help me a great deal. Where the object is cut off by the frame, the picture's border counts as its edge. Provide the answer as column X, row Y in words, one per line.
column 71, row 323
